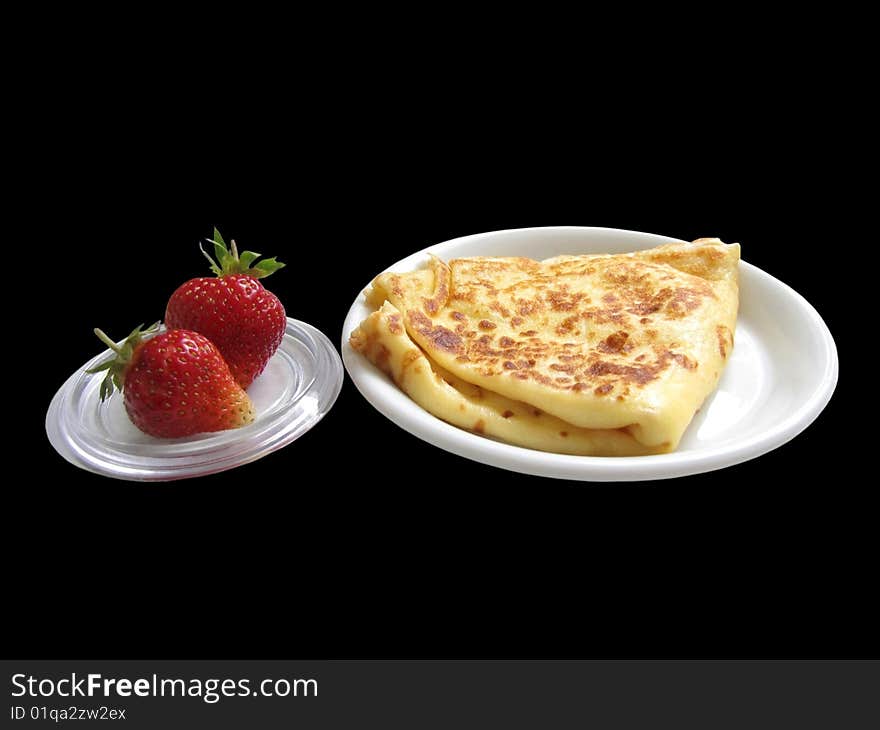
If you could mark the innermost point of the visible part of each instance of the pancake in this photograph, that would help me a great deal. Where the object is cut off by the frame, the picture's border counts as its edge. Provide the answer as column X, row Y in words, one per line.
column 382, row 339
column 629, row 345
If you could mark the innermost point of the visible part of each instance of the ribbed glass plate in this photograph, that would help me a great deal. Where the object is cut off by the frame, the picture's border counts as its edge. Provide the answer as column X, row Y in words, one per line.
column 298, row 386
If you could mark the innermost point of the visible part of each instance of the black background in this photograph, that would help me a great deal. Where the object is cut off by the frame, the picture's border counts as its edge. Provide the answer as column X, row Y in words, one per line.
column 359, row 540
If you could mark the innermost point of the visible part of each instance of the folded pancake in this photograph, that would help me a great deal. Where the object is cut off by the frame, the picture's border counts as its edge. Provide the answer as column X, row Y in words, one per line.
column 629, row 345
column 382, row 339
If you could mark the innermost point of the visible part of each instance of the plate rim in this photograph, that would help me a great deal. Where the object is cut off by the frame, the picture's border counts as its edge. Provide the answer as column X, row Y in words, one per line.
column 591, row 468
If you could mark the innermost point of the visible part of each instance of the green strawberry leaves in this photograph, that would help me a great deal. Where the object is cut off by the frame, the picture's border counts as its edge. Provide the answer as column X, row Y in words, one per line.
column 218, row 238
column 228, row 261
column 247, row 258
column 117, row 364
column 267, row 266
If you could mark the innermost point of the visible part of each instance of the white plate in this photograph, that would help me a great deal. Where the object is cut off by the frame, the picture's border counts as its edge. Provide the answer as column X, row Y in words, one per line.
column 779, row 378
column 298, row 386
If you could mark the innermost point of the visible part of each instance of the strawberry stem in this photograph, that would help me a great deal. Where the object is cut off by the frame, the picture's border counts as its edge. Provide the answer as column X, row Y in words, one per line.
column 118, row 364
column 229, row 261
column 107, row 341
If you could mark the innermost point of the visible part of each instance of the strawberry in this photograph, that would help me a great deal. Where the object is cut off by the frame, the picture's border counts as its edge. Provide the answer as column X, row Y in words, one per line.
column 234, row 311
column 174, row 384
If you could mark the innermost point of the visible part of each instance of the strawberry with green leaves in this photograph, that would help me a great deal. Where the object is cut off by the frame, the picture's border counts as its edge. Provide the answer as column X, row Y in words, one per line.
column 174, row 384
column 233, row 310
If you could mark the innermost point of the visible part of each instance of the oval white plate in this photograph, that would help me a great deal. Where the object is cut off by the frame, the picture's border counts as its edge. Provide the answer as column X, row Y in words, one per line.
column 779, row 378
column 298, row 386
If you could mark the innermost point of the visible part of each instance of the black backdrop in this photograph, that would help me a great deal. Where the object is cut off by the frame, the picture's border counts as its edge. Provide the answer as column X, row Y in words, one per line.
column 328, row 548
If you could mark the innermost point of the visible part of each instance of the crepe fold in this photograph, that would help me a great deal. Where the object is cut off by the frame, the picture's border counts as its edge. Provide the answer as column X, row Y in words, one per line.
column 604, row 355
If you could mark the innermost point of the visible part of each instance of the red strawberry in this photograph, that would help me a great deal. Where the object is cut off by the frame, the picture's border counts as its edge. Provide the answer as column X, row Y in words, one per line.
column 234, row 311
column 174, row 384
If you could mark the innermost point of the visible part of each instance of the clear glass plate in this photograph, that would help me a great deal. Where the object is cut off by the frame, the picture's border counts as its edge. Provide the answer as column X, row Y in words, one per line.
column 298, row 386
